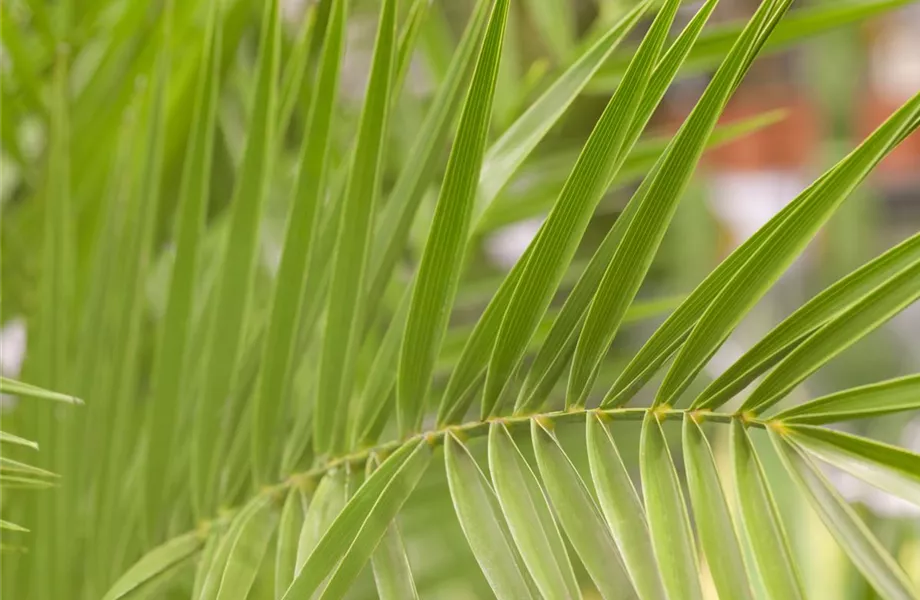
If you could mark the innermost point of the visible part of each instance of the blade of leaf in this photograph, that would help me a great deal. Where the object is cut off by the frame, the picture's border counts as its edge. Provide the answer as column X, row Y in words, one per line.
column 633, row 257
column 277, row 372
column 157, row 561
column 889, row 468
column 378, row 520
column 553, row 249
column 211, row 582
column 712, row 517
column 248, row 551
column 760, row 520
column 170, row 360
column 772, row 348
column 395, row 221
column 530, row 521
column 623, row 509
column 25, row 390
column 482, row 522
column 237, row 271
column 866, row 552
column 345, row 307
column 847, row 328
column 9, row 438
column 289, row 528
column 347, row 525
column 326, row 504
column 781, row 248
column 668, row 521
column 578, row 514
column 439, row 271
column 886, row 397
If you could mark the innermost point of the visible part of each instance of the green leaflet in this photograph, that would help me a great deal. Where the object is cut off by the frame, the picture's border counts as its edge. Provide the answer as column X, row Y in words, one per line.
column 25, row 390
column 348, row 524
column 155, row 562
column 556, row 23
column 578, row 514
column 866, row 552
column 345, row 307
column 886, row 467
column 211, row 580
column 439, row 271
column 891, row 396
column 235, row 282
column 395, row 221
column 9, row 438
column 481, row 519
column 392, row 572
column 325, row 505
column 13, row 527
column 14, row 466
column 529, row 518
column 553, row 249
column 277, row 371
column 753, row 280
column 506, row 155
column 802, row 23
column 772, row 348
column 634, row 254
column 408, row 39
column 169, row 365
column 248, row 550
column 378, row 521
column 289, row 528
column 668, row 521
column 711, row 514
column 844, row 330
column 297, row 65
column 623, row 509
column 760, row 520
column 203, row 569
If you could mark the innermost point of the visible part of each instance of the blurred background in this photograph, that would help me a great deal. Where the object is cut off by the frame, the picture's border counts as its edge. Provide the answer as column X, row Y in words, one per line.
column 819, row 98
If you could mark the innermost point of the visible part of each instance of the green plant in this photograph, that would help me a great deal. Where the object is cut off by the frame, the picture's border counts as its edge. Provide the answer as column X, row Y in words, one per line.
column 254, row 430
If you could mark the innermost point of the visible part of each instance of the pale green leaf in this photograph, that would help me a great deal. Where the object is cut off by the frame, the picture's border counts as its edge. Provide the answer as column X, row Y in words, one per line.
column 248, row 550
column 481, row 519
column 854, row 537
column 289, row 528
column 155, row 562
column 529, row 518
column 579, row 516
column 760, row 520
column 325, row 505
column 892, row 396
column 623, row 509
column 25, row 390
column 718, row 538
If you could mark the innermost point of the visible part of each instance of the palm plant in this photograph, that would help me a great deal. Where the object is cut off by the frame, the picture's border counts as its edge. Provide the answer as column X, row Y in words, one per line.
column 300, row 427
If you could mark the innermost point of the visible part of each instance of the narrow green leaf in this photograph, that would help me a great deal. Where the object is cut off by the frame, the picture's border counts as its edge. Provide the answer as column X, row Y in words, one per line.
column 326, row 504
column 886, row 397
column 248, row 550
column 289, row 528
column 506, row 155
column 623, row 509
column 170, row 361
column 9, row 438
column 397, row 216
column 25, row 390
column 555, row 22
column 346, row 303
column 847, row 328
column 439, row 271
column 14, row 527
column 668, row 521
column 14, row 466
column 866, row 552
column 211, row 580
column 889, row 468
column 553, row 249
column 392, row 572
column 215, row 537
column 760, row 520
column 772, row 348
column 234, row 287
column 711, row 515
column 348, row 524
column 759, row 273
column 278, row 365
column 481, row 519
column 408, row 39
column 578, row 514
column 634, row 255
column 297, row 66
column 529, row 518
column 155, row 562
column 378, row 521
